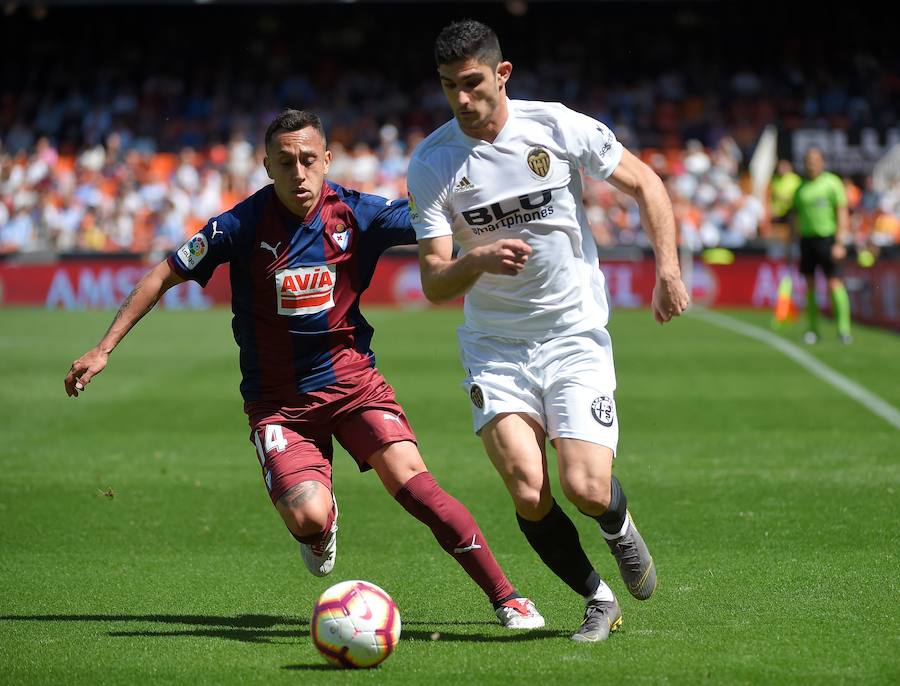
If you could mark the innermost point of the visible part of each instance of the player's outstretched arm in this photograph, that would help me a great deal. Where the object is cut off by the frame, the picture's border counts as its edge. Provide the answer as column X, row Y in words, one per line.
column 633, row 177
column 139, row 302
column 445, row 277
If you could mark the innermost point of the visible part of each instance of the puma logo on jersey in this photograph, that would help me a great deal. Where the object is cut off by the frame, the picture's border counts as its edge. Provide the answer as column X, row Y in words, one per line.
column 388, row 417
column 463, row 186
column 215, row 230
column 305, row 290
column 266, row 246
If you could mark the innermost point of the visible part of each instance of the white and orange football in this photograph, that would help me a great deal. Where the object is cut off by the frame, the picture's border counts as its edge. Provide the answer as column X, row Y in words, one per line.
column 355, row 624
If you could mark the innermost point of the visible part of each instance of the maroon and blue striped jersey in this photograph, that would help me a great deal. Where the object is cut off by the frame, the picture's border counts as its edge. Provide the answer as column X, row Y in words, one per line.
column 296, row 284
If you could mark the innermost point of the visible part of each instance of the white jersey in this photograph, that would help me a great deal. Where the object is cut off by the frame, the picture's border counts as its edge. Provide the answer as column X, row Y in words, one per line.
column 525, row 184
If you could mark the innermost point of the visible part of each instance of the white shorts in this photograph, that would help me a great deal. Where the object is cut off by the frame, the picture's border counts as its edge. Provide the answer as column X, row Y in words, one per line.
column 567, row 384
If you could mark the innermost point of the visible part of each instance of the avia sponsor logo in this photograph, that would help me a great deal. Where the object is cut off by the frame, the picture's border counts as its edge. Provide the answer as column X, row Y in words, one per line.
column 305, row 290
column 509, row 213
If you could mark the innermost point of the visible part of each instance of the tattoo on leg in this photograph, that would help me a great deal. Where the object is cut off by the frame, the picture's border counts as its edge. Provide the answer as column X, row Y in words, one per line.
column 297, row 495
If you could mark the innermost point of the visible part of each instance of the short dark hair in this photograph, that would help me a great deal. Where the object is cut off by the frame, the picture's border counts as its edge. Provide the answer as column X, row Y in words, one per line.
column 294, row 120
column 467, row 39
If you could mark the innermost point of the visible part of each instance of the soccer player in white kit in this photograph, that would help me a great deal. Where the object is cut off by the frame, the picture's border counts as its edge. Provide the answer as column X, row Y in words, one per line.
column 503, row 180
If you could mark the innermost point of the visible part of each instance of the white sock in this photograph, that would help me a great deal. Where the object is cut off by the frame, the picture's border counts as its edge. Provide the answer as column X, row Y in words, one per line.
column 603, row 592
column 622, row 532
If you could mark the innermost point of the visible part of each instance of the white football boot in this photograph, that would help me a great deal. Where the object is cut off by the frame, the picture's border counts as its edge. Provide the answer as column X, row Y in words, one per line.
column 519, row 613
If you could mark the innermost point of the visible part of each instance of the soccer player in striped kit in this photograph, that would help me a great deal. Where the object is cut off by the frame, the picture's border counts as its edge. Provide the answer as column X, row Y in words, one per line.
column 301, row 252
column 502, row 179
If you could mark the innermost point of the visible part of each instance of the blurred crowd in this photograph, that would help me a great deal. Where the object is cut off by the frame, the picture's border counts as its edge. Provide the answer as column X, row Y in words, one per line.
column 109, row 198
column 133, row 154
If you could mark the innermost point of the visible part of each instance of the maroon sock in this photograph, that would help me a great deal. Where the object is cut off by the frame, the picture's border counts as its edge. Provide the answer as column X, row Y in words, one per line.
column 317, row 538
column 456, row 532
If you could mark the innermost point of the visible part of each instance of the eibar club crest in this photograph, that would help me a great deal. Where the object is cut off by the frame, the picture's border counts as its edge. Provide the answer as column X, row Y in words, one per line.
column 539, row 161
column 341, row 236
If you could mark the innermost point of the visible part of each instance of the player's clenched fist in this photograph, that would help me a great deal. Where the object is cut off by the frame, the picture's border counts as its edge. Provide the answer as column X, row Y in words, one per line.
column 506, row 256
column 670, row 298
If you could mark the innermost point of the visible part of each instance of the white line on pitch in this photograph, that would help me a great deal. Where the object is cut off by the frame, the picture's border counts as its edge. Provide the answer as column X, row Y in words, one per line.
column 863, row 396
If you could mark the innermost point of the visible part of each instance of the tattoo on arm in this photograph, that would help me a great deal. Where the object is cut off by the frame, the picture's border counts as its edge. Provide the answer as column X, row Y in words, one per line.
column 297, row 495
column 127, row 302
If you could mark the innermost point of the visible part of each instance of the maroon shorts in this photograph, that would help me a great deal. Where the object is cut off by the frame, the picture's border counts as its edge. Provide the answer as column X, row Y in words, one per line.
column 293, row 443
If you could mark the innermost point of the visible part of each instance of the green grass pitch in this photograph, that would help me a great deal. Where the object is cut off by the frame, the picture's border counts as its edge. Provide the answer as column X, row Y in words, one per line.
column 137, row 543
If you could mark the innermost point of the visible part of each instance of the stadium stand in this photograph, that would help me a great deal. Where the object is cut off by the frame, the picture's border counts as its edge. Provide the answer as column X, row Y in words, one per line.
column 124, row 130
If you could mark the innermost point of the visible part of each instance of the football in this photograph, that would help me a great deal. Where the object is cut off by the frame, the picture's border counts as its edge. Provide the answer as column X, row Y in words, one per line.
column 355, row 624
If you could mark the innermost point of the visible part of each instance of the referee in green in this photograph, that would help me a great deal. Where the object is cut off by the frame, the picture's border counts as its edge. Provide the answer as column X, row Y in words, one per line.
column 822, row 220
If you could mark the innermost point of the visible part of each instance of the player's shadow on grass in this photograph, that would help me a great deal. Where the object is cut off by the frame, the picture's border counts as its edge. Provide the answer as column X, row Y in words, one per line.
column 442, row 635
column 243, row 628
column 279, row 628
column 436, row 631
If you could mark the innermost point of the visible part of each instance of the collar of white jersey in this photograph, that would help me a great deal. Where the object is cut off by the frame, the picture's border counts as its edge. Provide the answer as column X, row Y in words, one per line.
column 510, row 112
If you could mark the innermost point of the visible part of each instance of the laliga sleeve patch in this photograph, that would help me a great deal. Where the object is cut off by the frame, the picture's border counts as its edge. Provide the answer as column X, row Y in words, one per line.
column 191, row 253
column 477, row 396
column 413, row 208
column 603, row 410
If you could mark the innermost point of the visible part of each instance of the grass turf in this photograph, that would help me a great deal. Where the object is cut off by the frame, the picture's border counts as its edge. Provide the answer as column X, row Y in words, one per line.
column 138, row 543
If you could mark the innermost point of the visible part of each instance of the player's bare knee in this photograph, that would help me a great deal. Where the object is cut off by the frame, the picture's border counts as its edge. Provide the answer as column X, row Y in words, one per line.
column 531, row 510
column 530, row 500
column 305, row 508
column 589, row 496
column 396, row 464
column 302, row 526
